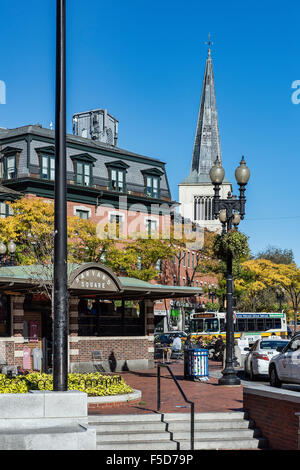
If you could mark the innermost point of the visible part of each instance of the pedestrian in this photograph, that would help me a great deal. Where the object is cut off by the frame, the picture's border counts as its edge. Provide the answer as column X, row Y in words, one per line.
column 188, row 343
column 176, row 345
column 219, row 344
column 199, row 343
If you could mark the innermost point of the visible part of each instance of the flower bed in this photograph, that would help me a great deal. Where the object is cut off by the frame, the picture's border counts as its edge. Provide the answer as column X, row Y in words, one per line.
column 94, row 385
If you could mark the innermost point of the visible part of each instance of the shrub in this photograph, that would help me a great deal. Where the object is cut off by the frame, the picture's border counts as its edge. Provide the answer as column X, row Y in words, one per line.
column 94, row 384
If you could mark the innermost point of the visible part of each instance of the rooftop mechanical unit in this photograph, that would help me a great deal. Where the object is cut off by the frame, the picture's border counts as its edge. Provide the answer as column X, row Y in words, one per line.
column 96, row 125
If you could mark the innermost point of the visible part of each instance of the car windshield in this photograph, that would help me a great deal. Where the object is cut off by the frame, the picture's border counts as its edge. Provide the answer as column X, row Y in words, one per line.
column 272, row 344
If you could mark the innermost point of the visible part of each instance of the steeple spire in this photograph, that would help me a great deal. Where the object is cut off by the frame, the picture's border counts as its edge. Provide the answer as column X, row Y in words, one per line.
column 207, row 141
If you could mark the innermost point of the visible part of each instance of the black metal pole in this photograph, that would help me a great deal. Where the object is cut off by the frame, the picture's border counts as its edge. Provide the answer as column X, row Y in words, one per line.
column 60, row 351
column 229, row 375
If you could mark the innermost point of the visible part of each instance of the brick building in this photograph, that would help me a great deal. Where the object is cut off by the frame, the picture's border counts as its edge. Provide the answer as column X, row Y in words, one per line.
column 104, row 184
column 110, row 314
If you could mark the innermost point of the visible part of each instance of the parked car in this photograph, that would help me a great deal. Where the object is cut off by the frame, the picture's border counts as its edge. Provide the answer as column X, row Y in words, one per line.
column 285, row 367
column 260, row 354
column 167, row 338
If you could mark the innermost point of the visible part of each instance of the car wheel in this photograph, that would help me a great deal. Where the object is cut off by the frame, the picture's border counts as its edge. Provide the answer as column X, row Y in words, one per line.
column 252, row 376
column 274, row 380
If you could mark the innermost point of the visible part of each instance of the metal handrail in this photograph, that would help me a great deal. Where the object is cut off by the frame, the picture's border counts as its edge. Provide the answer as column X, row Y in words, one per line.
column 159, row 365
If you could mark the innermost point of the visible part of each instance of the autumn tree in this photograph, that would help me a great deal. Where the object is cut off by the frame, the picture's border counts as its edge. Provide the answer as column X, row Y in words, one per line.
column 266, row 274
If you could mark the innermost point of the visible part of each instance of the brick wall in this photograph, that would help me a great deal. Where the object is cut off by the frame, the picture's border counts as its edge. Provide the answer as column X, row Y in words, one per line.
column 127, row 348
column 274, row 413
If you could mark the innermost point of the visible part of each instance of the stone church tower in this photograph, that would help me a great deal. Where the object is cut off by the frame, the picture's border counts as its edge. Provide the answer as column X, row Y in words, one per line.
column 196, row 191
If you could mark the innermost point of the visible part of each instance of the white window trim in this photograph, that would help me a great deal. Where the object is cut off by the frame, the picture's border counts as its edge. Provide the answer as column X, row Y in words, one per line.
column 120, row 214
column 153, row 219
column 83, row 208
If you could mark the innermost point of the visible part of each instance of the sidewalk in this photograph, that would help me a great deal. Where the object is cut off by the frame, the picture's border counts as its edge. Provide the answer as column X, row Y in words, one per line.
column 207, row 396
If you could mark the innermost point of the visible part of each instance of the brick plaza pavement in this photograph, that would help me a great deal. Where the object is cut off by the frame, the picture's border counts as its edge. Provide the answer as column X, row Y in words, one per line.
column 207, row 396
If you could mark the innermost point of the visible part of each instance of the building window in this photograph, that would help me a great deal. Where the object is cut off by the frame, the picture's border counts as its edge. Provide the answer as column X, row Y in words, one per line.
column 10, row 167
column 117, row 180
column 151, row 227
column 152, row 186
column 203, row 208
column 83, row 169
column 5, row 210
column 117, row 175
column 152, row 177
column 116, row 220
column 83, row 173
column 158, row 265
column 48, row 167
column 82, row 214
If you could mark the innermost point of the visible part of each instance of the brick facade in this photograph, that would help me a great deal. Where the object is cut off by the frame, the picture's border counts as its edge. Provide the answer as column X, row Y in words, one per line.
column 276, row 414
column 124, row 351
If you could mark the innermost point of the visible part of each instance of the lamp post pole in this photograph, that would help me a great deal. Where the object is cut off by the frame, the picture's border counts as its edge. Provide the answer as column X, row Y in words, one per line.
column 280, row 297
column 60, row 331
column 212, row 295
column 230, row 211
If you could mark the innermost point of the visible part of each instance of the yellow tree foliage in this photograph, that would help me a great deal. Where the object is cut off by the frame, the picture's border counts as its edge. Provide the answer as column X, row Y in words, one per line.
column 268, row 274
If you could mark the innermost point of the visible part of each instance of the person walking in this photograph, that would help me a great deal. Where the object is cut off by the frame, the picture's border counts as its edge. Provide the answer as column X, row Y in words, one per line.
column 176, row 345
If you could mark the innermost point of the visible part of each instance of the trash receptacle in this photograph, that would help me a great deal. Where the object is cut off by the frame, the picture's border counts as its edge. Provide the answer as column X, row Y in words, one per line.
column 196, row 364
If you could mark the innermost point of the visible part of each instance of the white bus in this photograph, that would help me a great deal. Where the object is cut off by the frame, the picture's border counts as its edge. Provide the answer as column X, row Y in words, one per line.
column 253, row 325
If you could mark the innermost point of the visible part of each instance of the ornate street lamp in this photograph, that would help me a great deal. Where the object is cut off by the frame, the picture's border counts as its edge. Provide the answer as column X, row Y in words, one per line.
column 11, row 249
column 230, row 212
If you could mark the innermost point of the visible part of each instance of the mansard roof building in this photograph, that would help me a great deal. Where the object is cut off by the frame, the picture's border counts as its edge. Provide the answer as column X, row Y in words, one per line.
column 98, row 173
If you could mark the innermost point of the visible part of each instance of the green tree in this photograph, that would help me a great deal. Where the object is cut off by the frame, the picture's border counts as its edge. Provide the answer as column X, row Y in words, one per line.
column 277, row 255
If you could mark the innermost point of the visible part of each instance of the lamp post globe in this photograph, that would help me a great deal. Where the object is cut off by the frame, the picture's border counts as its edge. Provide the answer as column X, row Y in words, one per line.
column 236, row 218
column 223, row 215
column 12, row 247
column 217, row 172
column 3, row 249
column 242, row 173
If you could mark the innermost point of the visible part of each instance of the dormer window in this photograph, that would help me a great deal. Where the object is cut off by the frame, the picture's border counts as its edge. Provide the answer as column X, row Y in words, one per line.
column 9, row 160
column 117, row 176
column 83, row 169
column 83, row 173
column 152, row 186
column 152, row 178
column 48, row 167
column 10, row 167
column 47, row 162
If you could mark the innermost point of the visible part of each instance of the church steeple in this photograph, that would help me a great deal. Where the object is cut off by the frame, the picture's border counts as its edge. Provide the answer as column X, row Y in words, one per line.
column 207, row 141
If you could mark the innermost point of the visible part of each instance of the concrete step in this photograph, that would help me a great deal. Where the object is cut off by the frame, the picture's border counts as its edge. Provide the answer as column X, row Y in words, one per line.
column 234, row 415
column 129, row 426
column 124, row 418
column 225, row 444
column 215, row 434
column 126, row 436
column 210, row 416
column 172, row 426
column 171, row 431
column 205, row 444
column 209, row 425
column 134, row 445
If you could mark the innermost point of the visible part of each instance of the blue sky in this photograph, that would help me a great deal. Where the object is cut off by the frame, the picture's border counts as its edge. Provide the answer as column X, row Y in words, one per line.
column 144, row 61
